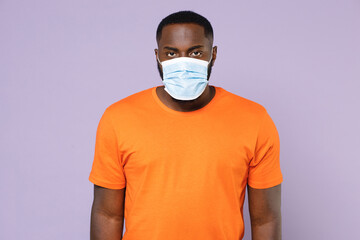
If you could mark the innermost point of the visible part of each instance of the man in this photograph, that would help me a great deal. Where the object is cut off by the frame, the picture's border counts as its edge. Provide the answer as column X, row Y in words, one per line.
column 183, row 153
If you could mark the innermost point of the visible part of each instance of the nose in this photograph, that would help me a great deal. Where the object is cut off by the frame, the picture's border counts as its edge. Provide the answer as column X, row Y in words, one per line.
column 182, row 54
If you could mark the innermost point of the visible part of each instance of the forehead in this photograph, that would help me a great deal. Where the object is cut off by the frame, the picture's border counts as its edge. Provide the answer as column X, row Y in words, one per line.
column 184, row 34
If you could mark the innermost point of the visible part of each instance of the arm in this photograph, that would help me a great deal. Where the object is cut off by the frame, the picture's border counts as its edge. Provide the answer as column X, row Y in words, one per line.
column 107, row 214
column 265, row 213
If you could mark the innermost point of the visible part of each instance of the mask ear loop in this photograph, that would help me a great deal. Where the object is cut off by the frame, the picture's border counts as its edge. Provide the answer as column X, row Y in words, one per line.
column 157, row 57
column 211, row 56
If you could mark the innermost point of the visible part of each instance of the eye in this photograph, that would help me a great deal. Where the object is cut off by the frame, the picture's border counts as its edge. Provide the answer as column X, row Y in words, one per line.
column 170, row 54
column 196, row 54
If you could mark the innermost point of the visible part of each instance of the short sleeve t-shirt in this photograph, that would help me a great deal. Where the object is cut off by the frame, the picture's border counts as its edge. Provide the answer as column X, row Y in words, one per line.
column 185, row 173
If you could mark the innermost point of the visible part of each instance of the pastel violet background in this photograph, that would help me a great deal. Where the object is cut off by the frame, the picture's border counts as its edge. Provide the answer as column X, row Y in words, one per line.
column 63, row 62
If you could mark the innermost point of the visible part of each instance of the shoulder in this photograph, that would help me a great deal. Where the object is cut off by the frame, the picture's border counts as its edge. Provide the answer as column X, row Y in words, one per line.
column 241, row 104
column 131, row 102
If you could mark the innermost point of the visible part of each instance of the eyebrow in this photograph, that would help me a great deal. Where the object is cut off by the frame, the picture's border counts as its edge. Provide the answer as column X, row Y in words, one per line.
column 195, row 47
column 171, row 48
column 190, row 49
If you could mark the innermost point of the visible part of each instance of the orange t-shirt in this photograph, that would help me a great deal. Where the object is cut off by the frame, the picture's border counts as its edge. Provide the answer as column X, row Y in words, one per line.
column 185, row 173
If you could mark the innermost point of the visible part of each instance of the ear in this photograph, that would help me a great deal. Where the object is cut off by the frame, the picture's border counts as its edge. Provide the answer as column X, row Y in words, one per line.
column 156, row 55
column 214, row 52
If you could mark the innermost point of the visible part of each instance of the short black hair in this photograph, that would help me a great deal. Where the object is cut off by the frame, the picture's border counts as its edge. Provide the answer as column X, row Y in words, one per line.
column 186, row 17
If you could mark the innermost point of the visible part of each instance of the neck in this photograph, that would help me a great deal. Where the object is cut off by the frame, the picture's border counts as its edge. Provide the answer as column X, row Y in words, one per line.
column 186, row 106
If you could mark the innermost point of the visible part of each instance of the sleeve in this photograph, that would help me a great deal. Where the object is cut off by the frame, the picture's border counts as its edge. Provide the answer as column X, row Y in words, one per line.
column 107, row 170
column 264, row 167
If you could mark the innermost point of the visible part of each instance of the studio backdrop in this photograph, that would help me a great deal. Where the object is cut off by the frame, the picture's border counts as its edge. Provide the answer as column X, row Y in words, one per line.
column 63, row 62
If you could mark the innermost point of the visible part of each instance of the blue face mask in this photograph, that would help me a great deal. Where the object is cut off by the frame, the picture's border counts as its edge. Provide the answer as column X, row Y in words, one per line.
column 185, row 78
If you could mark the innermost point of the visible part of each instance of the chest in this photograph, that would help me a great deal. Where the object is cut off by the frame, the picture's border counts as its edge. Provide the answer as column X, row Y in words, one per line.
column 201, row 145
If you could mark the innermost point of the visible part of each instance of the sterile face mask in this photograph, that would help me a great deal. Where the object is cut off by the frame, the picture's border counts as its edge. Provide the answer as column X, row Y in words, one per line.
column 185, row 78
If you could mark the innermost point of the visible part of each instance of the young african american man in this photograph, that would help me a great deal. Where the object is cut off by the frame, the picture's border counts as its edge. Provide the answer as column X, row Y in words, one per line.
column 173, row 161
